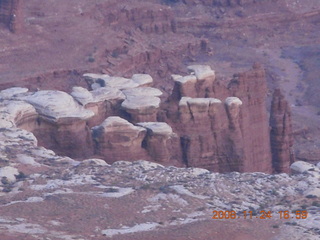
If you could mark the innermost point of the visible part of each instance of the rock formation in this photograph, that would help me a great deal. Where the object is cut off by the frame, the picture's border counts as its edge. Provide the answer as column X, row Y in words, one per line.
column 11, row 14
column 281, row 133
column 203, row 123
column 117, row 139
column 222, row 137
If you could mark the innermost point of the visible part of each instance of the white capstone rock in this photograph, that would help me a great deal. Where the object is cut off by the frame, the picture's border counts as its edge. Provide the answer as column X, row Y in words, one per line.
column 184, row 101
column 120, row 83
column 141, row 103
column 301, row 166
column 10, row 92
column 100, row 94
column 142, row 91
column 56, row 105
column 142, row 79
column 186, row 79
column 201, row 71
column 9, row 172
column 160, row 128
column 112, row 124
column 198, row 101
column 82, row 95
column 233, row 101
column 175, row 77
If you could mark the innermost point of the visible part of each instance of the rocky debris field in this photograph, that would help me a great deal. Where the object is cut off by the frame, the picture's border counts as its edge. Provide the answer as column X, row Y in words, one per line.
column 45, row 196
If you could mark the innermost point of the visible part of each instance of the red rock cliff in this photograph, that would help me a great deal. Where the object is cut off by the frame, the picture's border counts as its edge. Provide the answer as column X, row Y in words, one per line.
column 281, row 133
column 222, row 129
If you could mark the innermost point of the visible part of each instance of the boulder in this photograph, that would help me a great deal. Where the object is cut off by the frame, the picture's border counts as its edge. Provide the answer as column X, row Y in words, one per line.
column 301, row 166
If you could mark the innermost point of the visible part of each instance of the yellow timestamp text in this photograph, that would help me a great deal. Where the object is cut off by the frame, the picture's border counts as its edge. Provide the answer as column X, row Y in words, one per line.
column 259, row 215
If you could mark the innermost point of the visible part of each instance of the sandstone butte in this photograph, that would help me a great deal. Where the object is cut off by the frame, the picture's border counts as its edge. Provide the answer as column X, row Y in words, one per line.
column 203, row 123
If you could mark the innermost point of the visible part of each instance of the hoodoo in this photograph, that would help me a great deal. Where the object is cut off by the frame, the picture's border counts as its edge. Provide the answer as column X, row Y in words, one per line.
column 203, row 123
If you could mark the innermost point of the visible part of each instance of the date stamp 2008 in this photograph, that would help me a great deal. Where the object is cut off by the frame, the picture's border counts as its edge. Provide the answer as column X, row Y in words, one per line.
column 260, row 215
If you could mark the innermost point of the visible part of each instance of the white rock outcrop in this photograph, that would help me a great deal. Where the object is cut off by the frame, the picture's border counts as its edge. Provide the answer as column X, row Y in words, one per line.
column 57, row 106
column 301, row 166
column 201, row 71
column 9, row 173
column 142, row 79
column 101, row 94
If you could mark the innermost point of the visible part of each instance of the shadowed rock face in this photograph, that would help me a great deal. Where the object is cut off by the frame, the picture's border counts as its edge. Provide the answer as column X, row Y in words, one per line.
column 202, row 124
column 10, row 14
column 281, row 133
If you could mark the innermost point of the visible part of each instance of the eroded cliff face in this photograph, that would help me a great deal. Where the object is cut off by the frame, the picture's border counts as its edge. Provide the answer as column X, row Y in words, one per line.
column 281, row 133
column 203, row 123
column 220, row 132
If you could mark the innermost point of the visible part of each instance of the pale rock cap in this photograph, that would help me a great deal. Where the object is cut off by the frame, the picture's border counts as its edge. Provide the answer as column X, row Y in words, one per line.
column 199, row 101
column 82, row 95
column 160, row 128
column 141, row 103
column 201, row 71
column 114, row 123
column 142, row 91
column 184, row 101
column 120, row 83
column 56, row 105
column 10, row 92
column 100, row 94
column 231, row 101
column 175, row 77
column 186, row 79
column 142, row 79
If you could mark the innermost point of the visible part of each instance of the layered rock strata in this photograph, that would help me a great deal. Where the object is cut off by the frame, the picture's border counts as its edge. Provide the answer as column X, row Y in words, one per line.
column 202, row 124
column 219, row 132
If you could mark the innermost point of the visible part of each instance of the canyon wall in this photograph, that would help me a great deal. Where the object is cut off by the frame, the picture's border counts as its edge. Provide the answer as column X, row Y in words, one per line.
column 203, row 123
